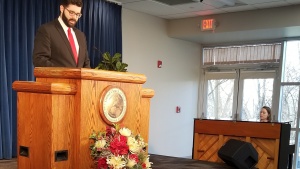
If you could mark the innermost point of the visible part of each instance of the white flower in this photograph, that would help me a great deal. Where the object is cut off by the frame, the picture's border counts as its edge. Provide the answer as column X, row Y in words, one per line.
column 131, row 163
column 134, row 145
column 116, row 162
column 135, row 148
column 125, row 132
column 100, row 144
column 148, row 163
column 141, row 142
column 131, row 140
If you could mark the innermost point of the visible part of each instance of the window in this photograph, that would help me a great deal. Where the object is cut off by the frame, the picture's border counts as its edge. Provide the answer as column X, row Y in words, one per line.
column 238, row 95
column 257, row 92
column 289, row 100
column 291, row 68
column 239, row 80
column 220, row 89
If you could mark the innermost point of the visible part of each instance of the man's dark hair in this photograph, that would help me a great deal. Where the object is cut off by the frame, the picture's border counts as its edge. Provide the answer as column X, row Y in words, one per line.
column 73, row 2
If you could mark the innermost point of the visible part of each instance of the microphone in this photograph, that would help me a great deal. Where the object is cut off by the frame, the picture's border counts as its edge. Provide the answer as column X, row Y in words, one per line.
column 98, row 50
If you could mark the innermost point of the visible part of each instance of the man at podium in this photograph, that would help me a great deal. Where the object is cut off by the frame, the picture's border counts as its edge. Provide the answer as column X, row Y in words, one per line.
column 59, row 43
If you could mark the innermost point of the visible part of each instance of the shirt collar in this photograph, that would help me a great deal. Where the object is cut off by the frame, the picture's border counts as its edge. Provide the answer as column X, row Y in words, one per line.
column 64, row 26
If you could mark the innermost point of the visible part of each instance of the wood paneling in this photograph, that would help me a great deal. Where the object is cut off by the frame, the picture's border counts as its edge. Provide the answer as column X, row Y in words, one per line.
column 41, row 87
column 266, row 138
column 264, row 130
column 44, row 127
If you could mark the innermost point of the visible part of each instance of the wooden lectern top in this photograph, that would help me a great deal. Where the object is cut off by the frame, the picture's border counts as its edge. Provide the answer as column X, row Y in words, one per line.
column 89, row 74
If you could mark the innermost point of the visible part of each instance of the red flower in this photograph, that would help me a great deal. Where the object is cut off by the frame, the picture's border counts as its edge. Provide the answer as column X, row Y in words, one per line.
column 102, row 163
column 134, row 157
column 144, row 165
column 119, row 146
column 110, row 131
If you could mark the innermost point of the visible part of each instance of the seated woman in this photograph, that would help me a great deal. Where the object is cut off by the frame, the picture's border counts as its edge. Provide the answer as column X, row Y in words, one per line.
column 265, row 114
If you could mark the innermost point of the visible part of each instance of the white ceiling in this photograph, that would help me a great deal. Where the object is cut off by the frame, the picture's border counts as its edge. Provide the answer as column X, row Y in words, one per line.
column 194, row 8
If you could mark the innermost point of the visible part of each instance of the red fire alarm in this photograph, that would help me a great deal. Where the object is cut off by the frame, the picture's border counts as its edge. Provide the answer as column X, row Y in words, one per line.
column 178, row 109
column 159, row 64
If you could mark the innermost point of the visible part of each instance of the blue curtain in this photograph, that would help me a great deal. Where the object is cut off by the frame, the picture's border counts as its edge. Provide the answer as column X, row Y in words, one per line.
column 19, row 20
column 101, row 22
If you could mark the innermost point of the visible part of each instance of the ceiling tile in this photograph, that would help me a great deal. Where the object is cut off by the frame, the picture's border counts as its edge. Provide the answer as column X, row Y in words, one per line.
column 270, row 5
column 207, row 7
column 191, row 7
column 210, row 12
column 175, row 2
column 217, row 3
column 240, row 8
column 152, row 7
column 127, row 1
column 178, row 16
column 293, row 1
column 250, row 2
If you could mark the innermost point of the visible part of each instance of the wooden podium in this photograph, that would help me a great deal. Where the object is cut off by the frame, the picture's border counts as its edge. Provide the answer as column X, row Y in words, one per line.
column 58, row 112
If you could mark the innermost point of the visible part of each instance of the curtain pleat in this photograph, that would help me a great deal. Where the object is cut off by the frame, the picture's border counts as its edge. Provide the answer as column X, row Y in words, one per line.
column 2, row 71
column 103, row 29
column 19, row 20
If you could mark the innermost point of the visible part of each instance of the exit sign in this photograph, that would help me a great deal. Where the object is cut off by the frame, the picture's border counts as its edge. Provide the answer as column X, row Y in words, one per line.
column 208, row 24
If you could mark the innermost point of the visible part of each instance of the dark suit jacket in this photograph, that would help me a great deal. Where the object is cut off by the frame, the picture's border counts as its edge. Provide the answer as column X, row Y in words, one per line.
column 52, row 47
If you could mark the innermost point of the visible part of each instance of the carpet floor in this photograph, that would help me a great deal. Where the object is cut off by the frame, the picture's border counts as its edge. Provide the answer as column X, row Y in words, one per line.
column 8, row 164
column 159, row 162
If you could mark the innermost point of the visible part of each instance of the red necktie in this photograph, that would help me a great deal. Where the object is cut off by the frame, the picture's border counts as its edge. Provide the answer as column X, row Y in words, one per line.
column 72, row 43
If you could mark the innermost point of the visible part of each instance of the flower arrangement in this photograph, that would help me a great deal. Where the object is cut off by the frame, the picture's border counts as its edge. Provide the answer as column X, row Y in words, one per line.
column 118, row 148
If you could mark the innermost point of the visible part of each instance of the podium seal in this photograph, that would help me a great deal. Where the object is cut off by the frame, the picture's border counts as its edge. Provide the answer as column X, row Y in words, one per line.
column 113, row 105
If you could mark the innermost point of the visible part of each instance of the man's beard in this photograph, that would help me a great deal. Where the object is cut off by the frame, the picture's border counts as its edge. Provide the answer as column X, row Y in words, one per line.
column 67, row 21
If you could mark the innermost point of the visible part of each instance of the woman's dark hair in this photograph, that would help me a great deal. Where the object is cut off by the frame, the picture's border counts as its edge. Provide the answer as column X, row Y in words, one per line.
column 269, row 112
column 73, row 2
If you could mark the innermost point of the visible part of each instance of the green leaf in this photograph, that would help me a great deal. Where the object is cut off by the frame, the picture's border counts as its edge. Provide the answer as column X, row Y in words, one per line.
column 117, row 55
column 106, row 56
column 116, row 58
column 119, row 65
column 112, row 63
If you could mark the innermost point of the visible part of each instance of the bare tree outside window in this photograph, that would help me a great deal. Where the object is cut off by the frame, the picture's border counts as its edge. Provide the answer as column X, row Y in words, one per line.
column 257, row 93
column 291, row 69
column 289, row 104
column 220, row 99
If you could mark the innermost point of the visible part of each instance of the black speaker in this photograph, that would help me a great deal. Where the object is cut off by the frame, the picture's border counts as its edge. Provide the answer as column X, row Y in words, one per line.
column 239, row 154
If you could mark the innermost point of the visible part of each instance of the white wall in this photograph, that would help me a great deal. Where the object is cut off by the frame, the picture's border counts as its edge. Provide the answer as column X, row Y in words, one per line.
column 252, row 25
column 145, row 41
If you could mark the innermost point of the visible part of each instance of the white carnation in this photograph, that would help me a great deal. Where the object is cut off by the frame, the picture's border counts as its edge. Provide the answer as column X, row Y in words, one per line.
column 116, row 162
column 125, row 132
column 131, row 163
column 100, row 143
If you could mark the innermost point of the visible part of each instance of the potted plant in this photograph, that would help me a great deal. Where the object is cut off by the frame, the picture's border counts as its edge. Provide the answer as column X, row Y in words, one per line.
column 112, row 63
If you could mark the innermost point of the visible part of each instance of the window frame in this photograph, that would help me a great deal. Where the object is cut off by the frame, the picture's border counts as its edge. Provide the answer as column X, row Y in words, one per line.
column 238, row 75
